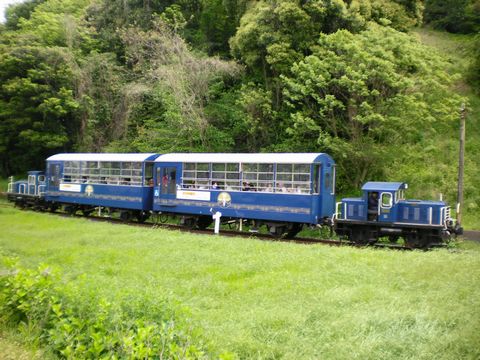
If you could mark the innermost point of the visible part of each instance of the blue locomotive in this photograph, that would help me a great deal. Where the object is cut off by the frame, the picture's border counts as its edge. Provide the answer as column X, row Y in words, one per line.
column 383, row 211
column 283, row 192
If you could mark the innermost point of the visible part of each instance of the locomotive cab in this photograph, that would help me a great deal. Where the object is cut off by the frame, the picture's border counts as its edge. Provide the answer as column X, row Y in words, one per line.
column 382, row 200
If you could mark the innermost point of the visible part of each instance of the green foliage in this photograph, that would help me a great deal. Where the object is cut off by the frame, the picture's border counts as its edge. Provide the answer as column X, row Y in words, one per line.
column 365, row 99
column 171, row 91
column 37, row 105
column 92, row 330
column 456, row 16
column 474, row 70
column 23, row 10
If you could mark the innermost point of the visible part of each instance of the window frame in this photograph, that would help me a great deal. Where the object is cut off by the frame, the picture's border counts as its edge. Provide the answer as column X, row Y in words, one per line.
column 390, row 203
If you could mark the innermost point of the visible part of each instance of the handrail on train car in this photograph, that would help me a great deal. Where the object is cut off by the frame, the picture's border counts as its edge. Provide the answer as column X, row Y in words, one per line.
column 10, row 184
column 337, row 212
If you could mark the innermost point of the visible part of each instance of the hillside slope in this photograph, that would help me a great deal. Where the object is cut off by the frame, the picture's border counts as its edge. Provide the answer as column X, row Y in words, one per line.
column 458, row 49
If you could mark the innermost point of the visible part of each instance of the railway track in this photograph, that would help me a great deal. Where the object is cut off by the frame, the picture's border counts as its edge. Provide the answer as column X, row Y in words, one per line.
column 226, row 232
column 472, row 235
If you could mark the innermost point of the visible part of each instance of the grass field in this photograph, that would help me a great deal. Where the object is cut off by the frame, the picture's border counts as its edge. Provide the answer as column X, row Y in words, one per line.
column 266, row 299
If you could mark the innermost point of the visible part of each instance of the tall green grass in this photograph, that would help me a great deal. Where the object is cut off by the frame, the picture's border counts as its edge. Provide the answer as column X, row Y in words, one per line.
column 267, row 299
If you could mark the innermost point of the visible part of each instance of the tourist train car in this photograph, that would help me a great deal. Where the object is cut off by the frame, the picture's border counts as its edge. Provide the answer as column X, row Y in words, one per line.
column 114, row 181
column 383, row 211
column 281, row 191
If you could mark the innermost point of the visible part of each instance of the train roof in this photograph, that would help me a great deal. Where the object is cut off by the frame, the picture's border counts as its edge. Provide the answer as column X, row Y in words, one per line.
column 267, row 158
column 125, row 157
column 384, row 186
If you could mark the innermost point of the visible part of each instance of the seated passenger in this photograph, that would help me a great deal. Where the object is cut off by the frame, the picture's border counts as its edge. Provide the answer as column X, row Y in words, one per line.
column 269, row 188
column 214, row 186
column 281, row 187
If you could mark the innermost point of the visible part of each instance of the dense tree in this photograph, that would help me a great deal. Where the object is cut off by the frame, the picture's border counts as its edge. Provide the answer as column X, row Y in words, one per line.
column 37, row 106
column 457, row 16
column 15, row 12
column 171, row 89
column 361, row 96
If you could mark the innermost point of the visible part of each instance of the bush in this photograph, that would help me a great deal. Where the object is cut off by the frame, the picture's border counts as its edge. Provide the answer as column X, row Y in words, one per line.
column 90, row 328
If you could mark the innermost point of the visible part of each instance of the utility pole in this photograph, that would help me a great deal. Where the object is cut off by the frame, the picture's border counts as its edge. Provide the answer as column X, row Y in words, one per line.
column 461, row 164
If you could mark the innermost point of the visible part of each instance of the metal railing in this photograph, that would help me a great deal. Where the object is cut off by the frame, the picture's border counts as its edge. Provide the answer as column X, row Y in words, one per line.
column 10, row 184
column 339, row 214
column 445, row 215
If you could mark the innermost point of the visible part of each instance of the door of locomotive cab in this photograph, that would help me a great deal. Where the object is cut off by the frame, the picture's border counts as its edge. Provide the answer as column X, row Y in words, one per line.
column 386, row 207
column 166, row 181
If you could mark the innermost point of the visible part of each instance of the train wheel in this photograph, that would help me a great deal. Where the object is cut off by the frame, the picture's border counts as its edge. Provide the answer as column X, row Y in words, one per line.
column 418, row 240
column 277, row 230
column 204, row 222
column 293, row 230
column 142, row 216
column 359, row 235
column 70, row 209
column 188, row 222
column 125, row 216
column 87, row 211
column 393, row 238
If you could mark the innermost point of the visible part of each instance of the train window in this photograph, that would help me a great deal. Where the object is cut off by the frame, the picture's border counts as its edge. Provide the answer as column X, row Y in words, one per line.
column 386, row 200
column 168, row 181
column 41, row 178
column 316, row 179
column 334, row 172
column 71, row 172
column 148, row 179
column 399, row 195
column 103, row 172
column 196, row 175
column 131, row 173
column 258, row 177
column 328, row 180
column 293, row 178
column 225, row 176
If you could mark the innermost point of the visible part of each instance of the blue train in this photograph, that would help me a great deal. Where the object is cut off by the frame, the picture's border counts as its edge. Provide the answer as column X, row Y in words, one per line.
column 283, row 192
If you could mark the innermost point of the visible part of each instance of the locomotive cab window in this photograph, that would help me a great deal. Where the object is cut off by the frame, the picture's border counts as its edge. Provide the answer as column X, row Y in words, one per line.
column 399, row 195
column 386, row 200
